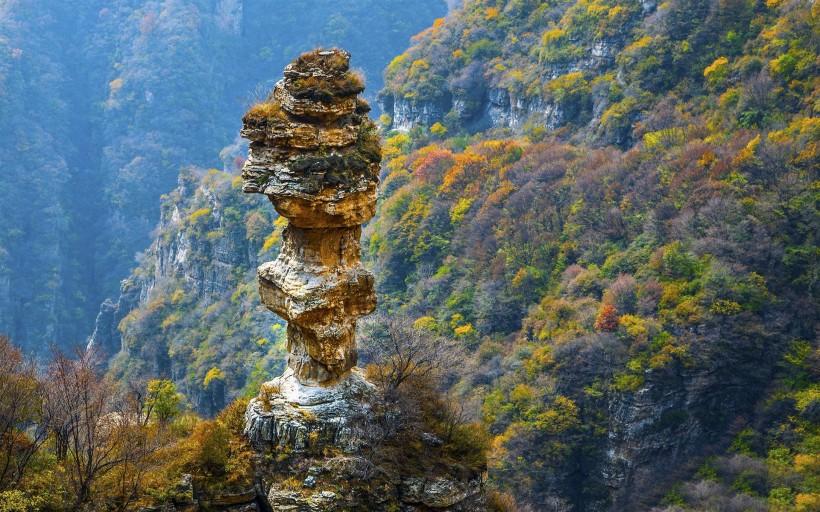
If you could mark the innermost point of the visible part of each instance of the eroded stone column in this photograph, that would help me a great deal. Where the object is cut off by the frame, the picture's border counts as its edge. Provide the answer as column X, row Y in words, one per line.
column 315, row 154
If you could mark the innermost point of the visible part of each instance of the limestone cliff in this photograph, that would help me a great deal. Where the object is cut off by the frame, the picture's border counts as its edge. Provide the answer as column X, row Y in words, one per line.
column 315, row 154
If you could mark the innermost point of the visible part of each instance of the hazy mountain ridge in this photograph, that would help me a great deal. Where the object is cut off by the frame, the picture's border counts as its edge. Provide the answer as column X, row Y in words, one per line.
column 104, row 102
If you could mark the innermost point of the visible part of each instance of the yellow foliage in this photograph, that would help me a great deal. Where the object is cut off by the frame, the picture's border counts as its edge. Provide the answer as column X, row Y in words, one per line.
column 552, row 35
column 522, row 395
column 492, row 13
column 666, row 355
column 640, row 44
column 562, row 416
column 425, row 323
column 170, row 320
column 807, row 502
column 418, row 66
column 540, row 359
column 396, row 63
column 747, row 154
column 464, row 330
column 195, row 216
column 806, row 463
column 716, row 71
column 271, row 240
column 212, row 375
column 177, row 296
column 460, row 209
column 616, row 12
column 635, row 327
column 396, row 145
column 668, row 137
column 807, row 396
column 438, row 129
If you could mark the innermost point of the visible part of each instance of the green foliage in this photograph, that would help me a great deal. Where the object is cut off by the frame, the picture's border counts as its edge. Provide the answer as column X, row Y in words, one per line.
column 163, row 399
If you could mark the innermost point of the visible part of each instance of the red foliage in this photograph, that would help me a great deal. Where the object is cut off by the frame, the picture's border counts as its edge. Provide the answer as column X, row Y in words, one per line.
column 607, row 319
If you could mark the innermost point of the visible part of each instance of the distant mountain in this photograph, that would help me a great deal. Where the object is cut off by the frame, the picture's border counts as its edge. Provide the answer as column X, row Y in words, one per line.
column 102, row 103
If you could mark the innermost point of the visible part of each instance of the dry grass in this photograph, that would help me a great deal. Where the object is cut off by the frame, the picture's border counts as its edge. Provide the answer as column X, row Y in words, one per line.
column 347, row 84
column 335, row 61
column 271, row 110
column 265, row 393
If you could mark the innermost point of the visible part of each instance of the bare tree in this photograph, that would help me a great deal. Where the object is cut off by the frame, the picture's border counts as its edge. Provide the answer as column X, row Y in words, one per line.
column 97, row 432
column 22, row 429
column 400, row 353
column 410, row 367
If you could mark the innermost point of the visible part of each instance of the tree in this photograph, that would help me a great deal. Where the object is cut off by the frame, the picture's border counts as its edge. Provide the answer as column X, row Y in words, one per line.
column 98, row 434
column 162, row 399
column 22, row 430
column 398, row 353
column 607, row 319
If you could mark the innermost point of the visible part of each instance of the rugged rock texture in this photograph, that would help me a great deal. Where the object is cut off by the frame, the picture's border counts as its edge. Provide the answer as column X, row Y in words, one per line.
column 318, row 427
column 178, row 253
column 480, row 105
column 316, row 155
column 290, row 416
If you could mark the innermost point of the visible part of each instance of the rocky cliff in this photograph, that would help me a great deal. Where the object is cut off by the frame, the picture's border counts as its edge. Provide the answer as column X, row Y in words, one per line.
column 169, row 318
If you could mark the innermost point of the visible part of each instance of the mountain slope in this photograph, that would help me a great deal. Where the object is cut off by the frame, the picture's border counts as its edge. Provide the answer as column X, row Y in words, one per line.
column 628, row 307
column 103, row 102
column 617, row 220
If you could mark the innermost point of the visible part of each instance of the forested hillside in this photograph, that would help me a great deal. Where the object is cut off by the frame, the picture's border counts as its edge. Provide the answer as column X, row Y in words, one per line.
column 102, row 103
column 630, row 250
column 611, row 206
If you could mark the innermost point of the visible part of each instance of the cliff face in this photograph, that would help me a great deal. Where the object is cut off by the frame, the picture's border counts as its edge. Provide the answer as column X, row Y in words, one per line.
column 191, row 280
column 203, row 267
column 474, row 99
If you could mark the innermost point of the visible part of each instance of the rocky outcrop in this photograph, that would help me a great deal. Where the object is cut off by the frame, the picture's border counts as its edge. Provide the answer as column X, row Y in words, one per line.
column 316, row 155
column 288, row 415
column 177, row 252
column 106, row 338
column 481, row 105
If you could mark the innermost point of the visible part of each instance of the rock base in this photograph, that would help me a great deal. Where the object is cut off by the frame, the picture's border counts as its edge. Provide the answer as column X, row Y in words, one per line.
column 315, row 453
column 352, row 483
column 294, row 417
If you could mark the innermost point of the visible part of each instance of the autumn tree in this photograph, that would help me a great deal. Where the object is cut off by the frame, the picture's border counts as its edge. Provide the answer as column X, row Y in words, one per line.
column 22, row 430
column 412, row 367
column 98, row 434
column 607, row 319
column 162, row 399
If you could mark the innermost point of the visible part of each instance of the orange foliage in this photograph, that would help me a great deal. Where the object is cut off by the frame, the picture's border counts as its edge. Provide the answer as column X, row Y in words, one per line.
column 468, row 166
column 607, row 319
column 430, row 163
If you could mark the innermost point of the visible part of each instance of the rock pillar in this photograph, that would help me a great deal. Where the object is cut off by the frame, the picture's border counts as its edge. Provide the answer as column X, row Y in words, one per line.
column 315, row 154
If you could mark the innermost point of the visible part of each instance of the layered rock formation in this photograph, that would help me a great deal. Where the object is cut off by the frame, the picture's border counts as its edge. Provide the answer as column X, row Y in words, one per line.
column 316, row 155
